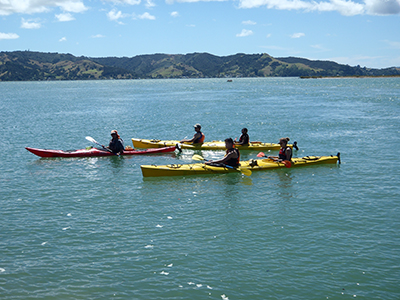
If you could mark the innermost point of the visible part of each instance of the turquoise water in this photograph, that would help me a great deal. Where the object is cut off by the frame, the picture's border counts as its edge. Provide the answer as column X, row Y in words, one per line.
column 93, row 228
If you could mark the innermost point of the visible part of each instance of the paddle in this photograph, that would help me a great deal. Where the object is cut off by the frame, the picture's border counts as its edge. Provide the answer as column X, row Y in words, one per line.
column 244, row 171
column 287, row 163
column 89, row 138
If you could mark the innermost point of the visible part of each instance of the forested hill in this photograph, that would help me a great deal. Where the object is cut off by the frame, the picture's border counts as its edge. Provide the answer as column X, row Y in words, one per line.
column 28, row 65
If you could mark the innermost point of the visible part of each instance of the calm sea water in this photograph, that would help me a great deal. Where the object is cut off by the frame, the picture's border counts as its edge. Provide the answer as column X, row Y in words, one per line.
column 93, row 228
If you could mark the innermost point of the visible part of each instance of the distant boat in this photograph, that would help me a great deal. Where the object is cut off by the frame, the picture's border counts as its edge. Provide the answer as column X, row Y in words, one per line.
column 229, row 80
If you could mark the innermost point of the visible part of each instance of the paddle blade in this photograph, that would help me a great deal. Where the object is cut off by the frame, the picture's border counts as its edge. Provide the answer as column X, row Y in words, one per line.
column 287, row 163
column 197, row 157
column 90, row 139
column 245, row 171
column 261, row 154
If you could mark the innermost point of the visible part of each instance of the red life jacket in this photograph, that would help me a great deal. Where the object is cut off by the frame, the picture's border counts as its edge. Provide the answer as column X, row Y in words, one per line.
column 282, row 154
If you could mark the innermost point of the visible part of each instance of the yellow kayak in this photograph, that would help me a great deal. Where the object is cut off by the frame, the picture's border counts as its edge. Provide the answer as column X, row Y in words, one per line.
column 214, row 145
column 252, row 165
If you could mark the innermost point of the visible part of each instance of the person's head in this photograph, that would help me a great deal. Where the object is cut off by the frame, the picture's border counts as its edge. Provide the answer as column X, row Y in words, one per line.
column 229, row 143
column 197, row 127
column 283, row 141
column 114, row 134
column 244, row 130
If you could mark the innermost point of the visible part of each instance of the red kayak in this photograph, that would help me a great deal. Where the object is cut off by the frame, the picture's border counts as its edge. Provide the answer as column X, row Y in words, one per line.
column 94, row 152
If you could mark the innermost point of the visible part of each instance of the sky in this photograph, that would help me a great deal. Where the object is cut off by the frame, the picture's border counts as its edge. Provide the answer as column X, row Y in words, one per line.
column 353, row 32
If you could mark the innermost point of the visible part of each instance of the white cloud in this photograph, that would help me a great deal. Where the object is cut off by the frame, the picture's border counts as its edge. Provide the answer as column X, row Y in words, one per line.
column 63, row 39
column 146, row 16
column 149, row 4
column 115, row 15
column 268, row 35
column 8, row 7
column 393, row 45
column 174, row 14
column 319, row 47
column 244, row 33
column 249, row 22
column 28, row 24
column 97, row 36
column 191, row 1
column 65, row 17
column 297, row 35
column 8, row 36
column 383, row 7
column 129, row 2
column 345, row 7
column 72, row 6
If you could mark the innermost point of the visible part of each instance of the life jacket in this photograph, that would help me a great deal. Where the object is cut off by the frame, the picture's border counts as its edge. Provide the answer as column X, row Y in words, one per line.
column 200, row 140
column 233, row 162
column 244, row 138
column 116, row 145
column 282, row 154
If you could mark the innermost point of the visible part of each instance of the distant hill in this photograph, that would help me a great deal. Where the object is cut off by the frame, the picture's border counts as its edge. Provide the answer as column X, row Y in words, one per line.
column 29, row 66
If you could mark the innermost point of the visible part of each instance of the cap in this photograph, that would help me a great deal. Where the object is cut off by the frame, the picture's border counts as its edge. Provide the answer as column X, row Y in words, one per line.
column 114, row 132
column 197, row 125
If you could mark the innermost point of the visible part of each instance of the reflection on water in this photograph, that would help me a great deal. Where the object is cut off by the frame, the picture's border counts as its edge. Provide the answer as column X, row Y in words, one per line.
column 285, row 184
column 116, row 163
column 246, row 180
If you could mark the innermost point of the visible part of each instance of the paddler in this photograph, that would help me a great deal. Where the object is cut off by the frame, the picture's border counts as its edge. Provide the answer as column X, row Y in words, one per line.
column 116, row 143
column 231, row 158
column 243, row 139
column 285, row 153
column 198, row 137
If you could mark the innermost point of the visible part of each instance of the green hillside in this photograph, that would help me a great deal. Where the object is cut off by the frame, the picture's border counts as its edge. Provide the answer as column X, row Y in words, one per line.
column 30, row 66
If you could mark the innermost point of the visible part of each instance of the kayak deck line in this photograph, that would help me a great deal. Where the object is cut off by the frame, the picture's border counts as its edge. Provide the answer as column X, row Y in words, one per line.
column 252, row 165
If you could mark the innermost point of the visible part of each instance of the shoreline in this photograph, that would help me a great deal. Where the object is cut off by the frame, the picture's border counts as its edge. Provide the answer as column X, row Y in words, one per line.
column 360, row 76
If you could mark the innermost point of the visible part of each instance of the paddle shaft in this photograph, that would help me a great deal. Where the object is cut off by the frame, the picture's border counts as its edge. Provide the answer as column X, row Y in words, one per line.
column 94, row 141
column 244, row 171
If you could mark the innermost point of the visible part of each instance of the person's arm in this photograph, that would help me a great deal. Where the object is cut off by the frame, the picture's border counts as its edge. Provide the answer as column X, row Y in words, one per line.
column 245, row 140
column 288, row 152
column 197, row 135
column 239, row 143
column 120, row 147
column 224, row 159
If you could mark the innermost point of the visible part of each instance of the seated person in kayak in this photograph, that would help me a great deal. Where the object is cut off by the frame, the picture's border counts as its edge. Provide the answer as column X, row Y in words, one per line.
column 116, row 143
column 285, row 153
column 198, row 137
column 243, row 139
column 231, row 158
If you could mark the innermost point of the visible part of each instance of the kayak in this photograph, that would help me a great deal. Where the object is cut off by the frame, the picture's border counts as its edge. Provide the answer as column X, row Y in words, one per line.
column 214, row 145
column 252, row 165
column 94, row 152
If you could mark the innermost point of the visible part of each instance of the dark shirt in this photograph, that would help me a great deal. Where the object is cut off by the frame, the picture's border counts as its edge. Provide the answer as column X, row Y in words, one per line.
column 244, row 139
column 116, row 145
column 233, row 162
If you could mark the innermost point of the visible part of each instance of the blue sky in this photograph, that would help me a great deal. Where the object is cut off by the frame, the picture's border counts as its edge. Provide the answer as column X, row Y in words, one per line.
column 354, row 32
